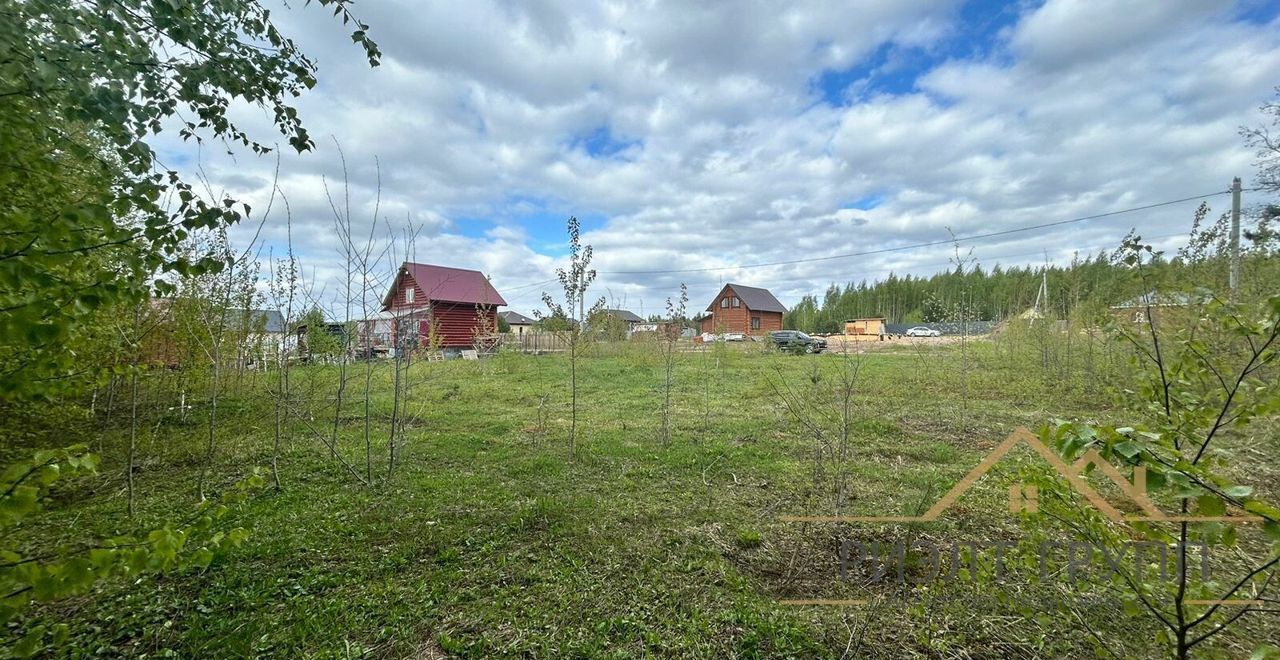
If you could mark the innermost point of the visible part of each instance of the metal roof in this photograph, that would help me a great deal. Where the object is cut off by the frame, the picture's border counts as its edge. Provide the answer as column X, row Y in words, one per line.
column 515, row 318
column 624, row 315
column 445, row 284
column 268, row 320
column 273, row 321
column 760, row 300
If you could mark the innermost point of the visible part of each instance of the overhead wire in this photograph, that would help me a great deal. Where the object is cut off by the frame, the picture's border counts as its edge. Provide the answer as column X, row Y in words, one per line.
column 914, row 246
column 897, row 248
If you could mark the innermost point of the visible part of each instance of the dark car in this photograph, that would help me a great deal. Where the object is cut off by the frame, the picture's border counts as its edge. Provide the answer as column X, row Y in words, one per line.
column 794, row 340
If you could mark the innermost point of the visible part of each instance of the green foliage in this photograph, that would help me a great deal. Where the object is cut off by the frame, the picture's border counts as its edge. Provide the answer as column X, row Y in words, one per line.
column 321, row 343
column 87, row 206
column 67, row 571
column 633, row 549
column 1194, row 379
column 606, row 326
column 574, row 282
column 556, row 321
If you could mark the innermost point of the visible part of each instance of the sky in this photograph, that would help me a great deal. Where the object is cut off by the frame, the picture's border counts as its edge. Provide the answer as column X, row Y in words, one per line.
column 696, row 141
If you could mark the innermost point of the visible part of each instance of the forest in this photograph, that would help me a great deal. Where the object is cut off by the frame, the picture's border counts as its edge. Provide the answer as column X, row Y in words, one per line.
column 1085, row 287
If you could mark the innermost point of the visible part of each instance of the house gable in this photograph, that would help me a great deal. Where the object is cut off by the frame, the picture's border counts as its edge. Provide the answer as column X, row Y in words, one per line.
column 743, row 309
column 440, row 284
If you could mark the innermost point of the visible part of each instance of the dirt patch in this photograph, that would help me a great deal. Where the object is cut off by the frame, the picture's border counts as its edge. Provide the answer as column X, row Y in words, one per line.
column 838, row 344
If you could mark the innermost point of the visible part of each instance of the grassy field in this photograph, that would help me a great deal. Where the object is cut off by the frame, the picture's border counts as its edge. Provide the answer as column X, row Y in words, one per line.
column 491, row 539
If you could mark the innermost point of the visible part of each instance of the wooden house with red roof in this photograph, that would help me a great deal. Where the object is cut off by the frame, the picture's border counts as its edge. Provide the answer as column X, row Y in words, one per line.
column 449, row 306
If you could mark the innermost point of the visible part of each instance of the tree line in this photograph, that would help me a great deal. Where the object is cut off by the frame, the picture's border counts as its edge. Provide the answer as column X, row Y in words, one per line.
column 1088, row 284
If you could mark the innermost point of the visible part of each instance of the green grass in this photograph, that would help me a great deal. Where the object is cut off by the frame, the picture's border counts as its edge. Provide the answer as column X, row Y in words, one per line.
column 491, row 540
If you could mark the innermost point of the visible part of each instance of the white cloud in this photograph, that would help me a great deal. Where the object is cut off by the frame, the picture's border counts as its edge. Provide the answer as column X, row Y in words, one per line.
column 724, row 150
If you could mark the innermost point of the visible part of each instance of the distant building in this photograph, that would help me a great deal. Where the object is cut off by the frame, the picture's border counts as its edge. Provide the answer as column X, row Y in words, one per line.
column 865, row 327
column 743, row 309
column 626, row 317
column 1137, row 310
column 518, row 322
column 374, row 334
column 254, row 336
column 447, row 306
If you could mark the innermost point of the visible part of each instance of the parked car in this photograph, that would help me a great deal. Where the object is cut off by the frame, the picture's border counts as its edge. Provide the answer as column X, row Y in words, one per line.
column 921, row 331
column 734, row 336
column 795, row 340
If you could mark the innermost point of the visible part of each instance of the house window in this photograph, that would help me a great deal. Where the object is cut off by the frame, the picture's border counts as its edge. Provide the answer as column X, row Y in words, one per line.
column 408, row 295
column 735, row 301
column 724, row 303
column 755, row 323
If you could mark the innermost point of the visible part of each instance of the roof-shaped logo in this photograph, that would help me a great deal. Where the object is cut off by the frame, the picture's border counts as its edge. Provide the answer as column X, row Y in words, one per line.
column 1025, row 498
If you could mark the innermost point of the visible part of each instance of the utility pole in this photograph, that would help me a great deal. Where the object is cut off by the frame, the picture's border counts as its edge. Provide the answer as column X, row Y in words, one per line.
column 1234, row 278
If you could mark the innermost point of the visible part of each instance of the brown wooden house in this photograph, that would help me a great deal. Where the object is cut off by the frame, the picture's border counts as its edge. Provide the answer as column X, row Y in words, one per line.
column 447, row 307
column 745, row 309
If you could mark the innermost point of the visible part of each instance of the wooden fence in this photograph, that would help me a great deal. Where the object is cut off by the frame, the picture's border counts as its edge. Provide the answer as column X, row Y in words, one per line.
column 534, row 342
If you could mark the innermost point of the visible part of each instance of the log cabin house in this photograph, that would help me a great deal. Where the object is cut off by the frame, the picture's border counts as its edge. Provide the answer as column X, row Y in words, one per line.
column 442, row 307
column 749, row 310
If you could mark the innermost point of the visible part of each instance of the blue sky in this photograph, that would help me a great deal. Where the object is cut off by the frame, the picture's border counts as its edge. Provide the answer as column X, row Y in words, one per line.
column 696, row 138
column 893, row 68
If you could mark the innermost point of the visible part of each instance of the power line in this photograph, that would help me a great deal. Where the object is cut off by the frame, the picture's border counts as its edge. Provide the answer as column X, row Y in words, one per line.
column 900, row 248
column 526, row 286
column 914, row 246
column 849, row 277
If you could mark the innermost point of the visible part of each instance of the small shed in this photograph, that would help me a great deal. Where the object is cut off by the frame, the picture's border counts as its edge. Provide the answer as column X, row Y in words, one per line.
column 865, row 327
column 441, row 306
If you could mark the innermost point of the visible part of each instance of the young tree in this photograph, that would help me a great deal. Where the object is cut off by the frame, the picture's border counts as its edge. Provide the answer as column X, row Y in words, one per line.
column 283, row 288
column 214, row 311
column 1266, row 144
column 351, row 256
column 1199, row 378
column 670, row 335
column 483, row 333
column 575, row 282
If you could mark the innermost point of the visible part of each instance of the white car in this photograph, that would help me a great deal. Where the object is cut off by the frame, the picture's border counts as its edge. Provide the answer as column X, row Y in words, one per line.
column 921, row 331
column 734, row 336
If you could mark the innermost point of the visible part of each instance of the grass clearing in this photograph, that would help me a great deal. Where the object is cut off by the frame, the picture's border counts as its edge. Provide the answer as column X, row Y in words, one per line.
column 489, row 540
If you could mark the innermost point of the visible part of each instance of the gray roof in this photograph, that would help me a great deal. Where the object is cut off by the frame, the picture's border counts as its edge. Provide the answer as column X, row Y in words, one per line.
column 624, row 315
column 515, row 318
column 270, row 319
column 760, row 300
column 273, row 320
